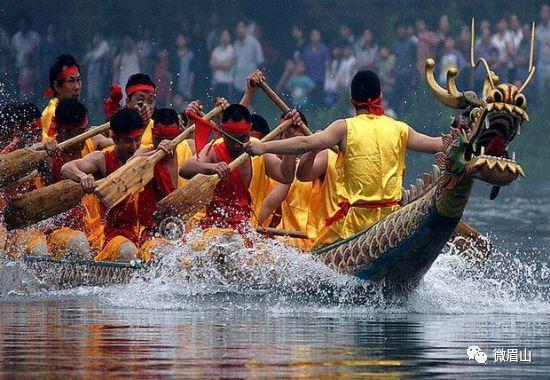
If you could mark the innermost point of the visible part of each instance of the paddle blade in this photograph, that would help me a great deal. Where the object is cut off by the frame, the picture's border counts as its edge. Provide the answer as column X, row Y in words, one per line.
column 190, row 199
column 127, row 180
column 41, row 204
column 17, row 164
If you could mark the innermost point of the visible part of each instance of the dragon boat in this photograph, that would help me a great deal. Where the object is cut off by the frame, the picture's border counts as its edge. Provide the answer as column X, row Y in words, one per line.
column 400, row 248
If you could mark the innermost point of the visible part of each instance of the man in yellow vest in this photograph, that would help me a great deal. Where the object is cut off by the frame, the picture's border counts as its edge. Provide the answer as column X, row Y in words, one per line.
column 371, row 158
column 65, row 83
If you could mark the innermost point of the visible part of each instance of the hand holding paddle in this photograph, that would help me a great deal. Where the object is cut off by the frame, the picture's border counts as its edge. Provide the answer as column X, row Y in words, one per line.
column 132, row 177
column 21, row 162
column 197, row 193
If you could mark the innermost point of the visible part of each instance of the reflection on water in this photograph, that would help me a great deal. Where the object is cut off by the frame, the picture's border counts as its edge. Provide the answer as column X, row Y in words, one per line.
column 84, row 338
column 293, row 316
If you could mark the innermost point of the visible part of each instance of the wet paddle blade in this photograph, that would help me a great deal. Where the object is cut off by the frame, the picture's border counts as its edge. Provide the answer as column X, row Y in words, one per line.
column 190, row 199
column 30, row 208
column 17, row 164
column 470, row 244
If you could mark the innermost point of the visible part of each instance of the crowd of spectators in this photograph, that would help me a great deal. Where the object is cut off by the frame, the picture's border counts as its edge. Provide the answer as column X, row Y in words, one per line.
column 317, row 71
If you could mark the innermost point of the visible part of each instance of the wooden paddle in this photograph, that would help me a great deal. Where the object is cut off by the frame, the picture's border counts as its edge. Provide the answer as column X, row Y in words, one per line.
column 283, row 107
column 278, row 232
column 43, row 203
column 470, row 244
column 46, row 202
column 197, row 193
column 21, row 162
column 132, row 177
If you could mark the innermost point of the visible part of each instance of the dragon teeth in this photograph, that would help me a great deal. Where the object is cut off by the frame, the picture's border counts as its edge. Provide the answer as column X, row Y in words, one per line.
column 436, row 171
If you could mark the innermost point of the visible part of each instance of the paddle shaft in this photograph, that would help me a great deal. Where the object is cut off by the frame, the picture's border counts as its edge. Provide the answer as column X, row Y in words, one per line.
column 278, row 232
column 283, row 107
column 84, row 136
column 270, row 136
column 159, row 154
column 281, row 104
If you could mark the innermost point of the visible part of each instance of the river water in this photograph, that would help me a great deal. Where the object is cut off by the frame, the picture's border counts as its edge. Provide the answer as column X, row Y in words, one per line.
column 295, row 318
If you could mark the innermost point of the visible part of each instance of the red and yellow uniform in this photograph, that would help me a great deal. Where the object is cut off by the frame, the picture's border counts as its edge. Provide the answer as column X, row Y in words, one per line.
column 121, row 221
column 67, row 225
column 47, row 116
column 370, row 175
column 230, row 206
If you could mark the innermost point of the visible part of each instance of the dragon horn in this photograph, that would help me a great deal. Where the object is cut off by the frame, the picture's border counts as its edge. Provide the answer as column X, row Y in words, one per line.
column 531, row 67
column 451, row 97
column 491, row 76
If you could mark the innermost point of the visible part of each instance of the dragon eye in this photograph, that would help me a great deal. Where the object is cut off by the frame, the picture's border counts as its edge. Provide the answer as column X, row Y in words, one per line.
column 496, row 95
column 521, row 101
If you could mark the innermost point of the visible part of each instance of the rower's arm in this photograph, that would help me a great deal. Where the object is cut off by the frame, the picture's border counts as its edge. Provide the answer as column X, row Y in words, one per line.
column 420, row 142
column 101, row 142
column 281, row 170
column 253, row 81
column 273, row 200
column 312, row 166
column 93, row 163
column 335, row 134
column 203, row 164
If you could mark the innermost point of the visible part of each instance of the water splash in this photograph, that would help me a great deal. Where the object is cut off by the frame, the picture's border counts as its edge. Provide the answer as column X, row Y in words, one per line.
column 271, row 275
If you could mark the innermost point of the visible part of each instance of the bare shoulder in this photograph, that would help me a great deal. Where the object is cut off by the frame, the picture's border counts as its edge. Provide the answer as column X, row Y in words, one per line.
column 95, row 156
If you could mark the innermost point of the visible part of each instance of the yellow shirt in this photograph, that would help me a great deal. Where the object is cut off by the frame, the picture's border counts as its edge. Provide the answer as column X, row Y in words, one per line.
column 324, row 200
column 147, row 137
column 47, row 115
column 297, row 214
column 260, row 186
column 89, row 147
column 184, row 153
column 372, row 170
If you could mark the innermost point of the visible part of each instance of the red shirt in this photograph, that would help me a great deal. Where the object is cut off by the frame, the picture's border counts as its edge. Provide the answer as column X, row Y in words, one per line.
column 230, row 205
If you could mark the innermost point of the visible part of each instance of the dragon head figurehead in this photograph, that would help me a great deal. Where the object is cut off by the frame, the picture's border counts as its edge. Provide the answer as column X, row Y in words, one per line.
column 488, row 124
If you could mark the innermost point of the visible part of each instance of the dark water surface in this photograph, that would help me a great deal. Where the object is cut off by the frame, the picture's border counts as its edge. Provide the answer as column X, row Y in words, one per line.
column 300, row 320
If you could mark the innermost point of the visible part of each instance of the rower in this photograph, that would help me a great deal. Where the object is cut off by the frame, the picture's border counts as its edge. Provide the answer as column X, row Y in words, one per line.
column 319, row 168
column 65, row 83
column 231, row 204
column 122, row 233
column 140, row 96
column 371, row 158
column 65, row 234
column 23, row 129
column 165, row 128
column 289, row 207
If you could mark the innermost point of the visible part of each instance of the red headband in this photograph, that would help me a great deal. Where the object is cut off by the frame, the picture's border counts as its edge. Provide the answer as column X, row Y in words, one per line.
column 62, row 75
column 165, row 131
column 55, row 128
column 374, row 105
column 237, row 126
column 130, row 135
column 139, row 87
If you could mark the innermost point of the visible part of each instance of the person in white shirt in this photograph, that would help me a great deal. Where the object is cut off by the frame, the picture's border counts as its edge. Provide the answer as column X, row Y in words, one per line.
column 24, row 42
column 248, row 56
column 346, row 70
column 502, row 40
column 221, row 62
